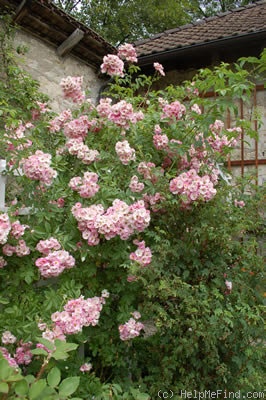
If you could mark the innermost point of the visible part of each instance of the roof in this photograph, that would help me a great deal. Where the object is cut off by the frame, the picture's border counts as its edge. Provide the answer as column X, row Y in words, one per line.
column 243, row 26
column 49, row 23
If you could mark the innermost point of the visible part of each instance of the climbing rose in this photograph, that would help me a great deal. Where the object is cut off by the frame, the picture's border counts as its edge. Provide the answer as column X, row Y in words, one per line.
column 11, row 361
column 17, row 229
column 71, row 86
column 8, row 338
column 87, row 186
column 145, row 169
column 239, row 203
column 127, row 51
column 158, row 67
column 125, row 152
column 55, row 263
column 58, row 122
column 77, row 148
column 193, row 187
column 112, row 65
column 78, row 313
column 21, row 249
column 196, row 109
column 77, row 128
column 160, row 141
column 136, row 186
column 122, row 114
column 130, row 329
column 174, row 110
column 45, row 246
column 37, row 167
column 5, row 227
column 142, row 255
column 85, row 367
column 23, row 355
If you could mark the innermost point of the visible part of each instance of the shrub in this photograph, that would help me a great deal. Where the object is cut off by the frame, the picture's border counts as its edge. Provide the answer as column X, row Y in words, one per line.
column 135, row 249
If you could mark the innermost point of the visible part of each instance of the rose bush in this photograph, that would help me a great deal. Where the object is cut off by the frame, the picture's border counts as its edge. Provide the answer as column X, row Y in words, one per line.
column 141, row 168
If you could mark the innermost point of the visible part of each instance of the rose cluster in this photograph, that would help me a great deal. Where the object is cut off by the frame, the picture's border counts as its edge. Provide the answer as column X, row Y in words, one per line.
column 153, row 201
column 77, row 128
column 118, row 220
column 125, row 152
column 58, row 122
column 86, row 187
column 192, row 187
column 142, row 255
column 173, row 111
column 160, row 141
column 121, row 113
column 22, row 355
column 37, row 167
column 21, row 249
column 113, row 64
column 78, row 313
column 145, row 169
column 5, row 227
column 128, row 52
column 78, row 148
column 54, row 262
column 46, row 246
column 17, row 229
column 218, row 141
column 131, row 328
column 71, row 87
column 136, row 186
column 11, row 360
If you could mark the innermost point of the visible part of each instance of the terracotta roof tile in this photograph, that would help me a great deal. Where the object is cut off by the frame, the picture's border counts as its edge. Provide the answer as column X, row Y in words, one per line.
column 238, row 22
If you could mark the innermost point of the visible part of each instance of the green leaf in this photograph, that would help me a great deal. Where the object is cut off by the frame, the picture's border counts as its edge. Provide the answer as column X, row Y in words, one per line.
column 4, row 388
column 47, row 343
column 60, row 355
column 39, row 352
column 54, row 377
column 14, row 378
column 5, row 370
column 139, row 396
column 36, row 389
column 21, row 388
column 64, row 346
column 69, row 386
column 4, row 301
column 76, row 398
column 30, row 379
column 142, row 396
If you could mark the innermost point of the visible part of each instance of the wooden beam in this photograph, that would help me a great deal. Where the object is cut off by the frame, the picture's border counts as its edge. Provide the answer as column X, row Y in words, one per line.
column 70, row 42
column 239, row 163
column 21, row 11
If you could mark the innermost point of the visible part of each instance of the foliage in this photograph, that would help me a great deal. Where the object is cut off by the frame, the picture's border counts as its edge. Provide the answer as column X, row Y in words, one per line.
column 198, row 296
column 110, row 18
column 18, row 91
column 204, row 8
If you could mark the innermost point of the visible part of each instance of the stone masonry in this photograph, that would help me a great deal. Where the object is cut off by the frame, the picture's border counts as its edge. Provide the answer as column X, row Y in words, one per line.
column 44, row 65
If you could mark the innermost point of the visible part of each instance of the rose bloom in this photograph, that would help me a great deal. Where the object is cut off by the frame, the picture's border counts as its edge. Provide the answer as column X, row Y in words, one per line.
column 158, row 67
column 8, row 338
column 127, row 52
column 85, row 367
column 112, row 65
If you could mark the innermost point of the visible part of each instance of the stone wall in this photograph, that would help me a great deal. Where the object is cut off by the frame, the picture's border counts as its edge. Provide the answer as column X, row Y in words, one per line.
column 44, row 65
